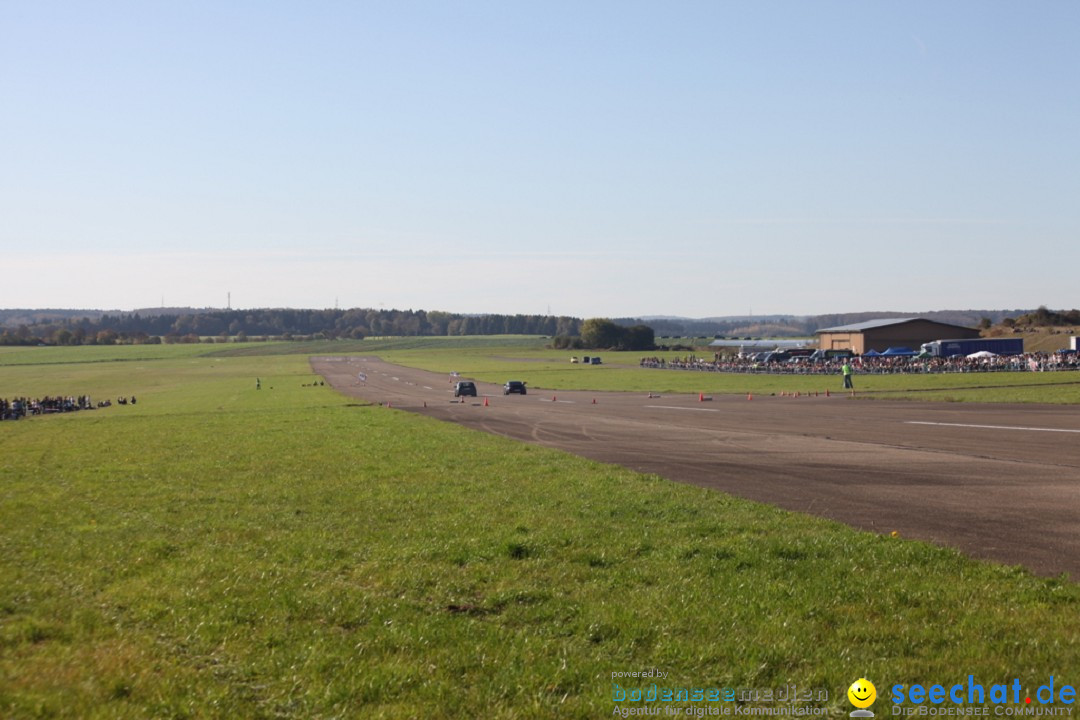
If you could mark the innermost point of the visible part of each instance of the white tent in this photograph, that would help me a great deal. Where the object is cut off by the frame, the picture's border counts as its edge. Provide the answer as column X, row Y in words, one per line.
column 981, row 354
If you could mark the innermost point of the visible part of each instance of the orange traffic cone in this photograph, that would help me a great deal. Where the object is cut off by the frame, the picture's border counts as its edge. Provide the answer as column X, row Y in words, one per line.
column 749, row 396
column 701, row 397
column 485, row 402
column 826, row 392
column 594, row 401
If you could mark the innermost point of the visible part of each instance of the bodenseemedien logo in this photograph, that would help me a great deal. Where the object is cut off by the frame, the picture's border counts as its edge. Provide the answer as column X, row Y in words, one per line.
column 862, row 695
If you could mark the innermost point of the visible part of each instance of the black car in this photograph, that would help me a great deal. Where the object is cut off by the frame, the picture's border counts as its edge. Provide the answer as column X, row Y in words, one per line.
column 514, row 386
column 465, row 387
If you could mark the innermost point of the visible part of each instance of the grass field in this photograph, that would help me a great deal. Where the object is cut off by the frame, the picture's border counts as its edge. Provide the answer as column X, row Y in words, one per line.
column 527, row 359
column 222, row 551
column 497, row 359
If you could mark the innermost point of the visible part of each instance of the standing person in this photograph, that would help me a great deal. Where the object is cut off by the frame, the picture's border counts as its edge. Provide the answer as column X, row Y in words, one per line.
column 258, row 384
column 846, row 370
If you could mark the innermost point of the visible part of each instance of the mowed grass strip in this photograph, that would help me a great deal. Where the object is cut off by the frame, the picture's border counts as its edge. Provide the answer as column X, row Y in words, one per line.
column 15, row 355
column 219, row 551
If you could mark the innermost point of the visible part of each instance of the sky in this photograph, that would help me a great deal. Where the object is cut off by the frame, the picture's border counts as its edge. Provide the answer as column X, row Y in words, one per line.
column 593, row 159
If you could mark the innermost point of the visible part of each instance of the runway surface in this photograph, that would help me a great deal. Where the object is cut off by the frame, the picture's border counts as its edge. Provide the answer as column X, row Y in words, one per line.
column 1000, row 482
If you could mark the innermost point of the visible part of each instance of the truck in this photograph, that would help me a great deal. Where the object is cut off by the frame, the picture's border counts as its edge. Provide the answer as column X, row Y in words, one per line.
column 789, row 354
column 951, row 348
column 823, row 354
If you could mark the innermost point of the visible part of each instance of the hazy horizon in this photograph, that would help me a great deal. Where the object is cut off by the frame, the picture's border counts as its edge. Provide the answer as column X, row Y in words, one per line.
column 640, row 316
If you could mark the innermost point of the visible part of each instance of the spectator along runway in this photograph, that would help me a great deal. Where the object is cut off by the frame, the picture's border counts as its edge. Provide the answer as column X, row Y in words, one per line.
column 1000, row 482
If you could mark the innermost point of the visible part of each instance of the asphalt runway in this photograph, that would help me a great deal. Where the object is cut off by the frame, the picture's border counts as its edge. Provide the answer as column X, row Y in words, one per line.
column 1000, row 482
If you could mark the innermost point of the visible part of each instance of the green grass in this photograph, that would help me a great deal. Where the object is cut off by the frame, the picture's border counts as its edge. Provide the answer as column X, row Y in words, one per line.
column 497, row 359
column 546, row 369
column 97, row 353
column 1059, row 388
column 218, row 551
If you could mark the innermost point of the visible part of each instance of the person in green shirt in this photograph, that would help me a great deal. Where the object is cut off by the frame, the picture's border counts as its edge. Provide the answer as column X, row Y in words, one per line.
column 847, row 370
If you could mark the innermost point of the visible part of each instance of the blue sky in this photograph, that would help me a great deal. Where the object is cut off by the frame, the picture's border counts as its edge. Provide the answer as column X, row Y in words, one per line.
column 583, row 158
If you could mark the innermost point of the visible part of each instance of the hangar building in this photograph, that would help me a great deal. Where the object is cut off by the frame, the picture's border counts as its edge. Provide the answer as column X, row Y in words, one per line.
column 880, row 335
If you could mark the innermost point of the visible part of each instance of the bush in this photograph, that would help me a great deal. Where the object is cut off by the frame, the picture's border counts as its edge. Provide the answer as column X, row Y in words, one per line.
column 600, row 333
column 566, row 342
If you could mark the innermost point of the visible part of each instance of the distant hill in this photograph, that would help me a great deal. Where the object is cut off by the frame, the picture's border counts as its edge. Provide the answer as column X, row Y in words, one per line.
column 156, row 325
column 156, row 311
column 21, row 316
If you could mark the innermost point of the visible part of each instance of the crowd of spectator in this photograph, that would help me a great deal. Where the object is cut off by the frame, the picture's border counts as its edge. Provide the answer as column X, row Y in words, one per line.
column 1065, row 360
column 20, row 407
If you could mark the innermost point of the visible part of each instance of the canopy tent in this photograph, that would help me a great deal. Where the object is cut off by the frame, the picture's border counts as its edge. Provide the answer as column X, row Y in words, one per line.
column 981, row 354
column 871, row 353
column 899, row 352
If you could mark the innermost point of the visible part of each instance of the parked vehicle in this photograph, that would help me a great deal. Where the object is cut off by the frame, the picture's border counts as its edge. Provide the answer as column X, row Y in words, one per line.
column 465, row 387
column 831, row 355
column 787, row 355
column 514, row 386
column 998, row 346
column 595, row 361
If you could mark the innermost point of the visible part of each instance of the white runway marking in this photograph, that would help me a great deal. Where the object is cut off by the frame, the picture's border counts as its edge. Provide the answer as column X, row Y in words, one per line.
column 674, row 407
column 992, row 427
column 428, row 387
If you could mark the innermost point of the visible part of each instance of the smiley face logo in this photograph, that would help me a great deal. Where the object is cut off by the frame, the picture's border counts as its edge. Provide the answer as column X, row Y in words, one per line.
column 862, row 693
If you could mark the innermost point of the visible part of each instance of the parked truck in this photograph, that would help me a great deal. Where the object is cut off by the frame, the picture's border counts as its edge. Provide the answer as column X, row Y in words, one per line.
column 998, row 346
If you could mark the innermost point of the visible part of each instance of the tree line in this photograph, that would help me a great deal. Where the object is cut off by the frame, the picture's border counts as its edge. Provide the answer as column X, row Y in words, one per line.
column 1043, row 317
column 355, row 323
